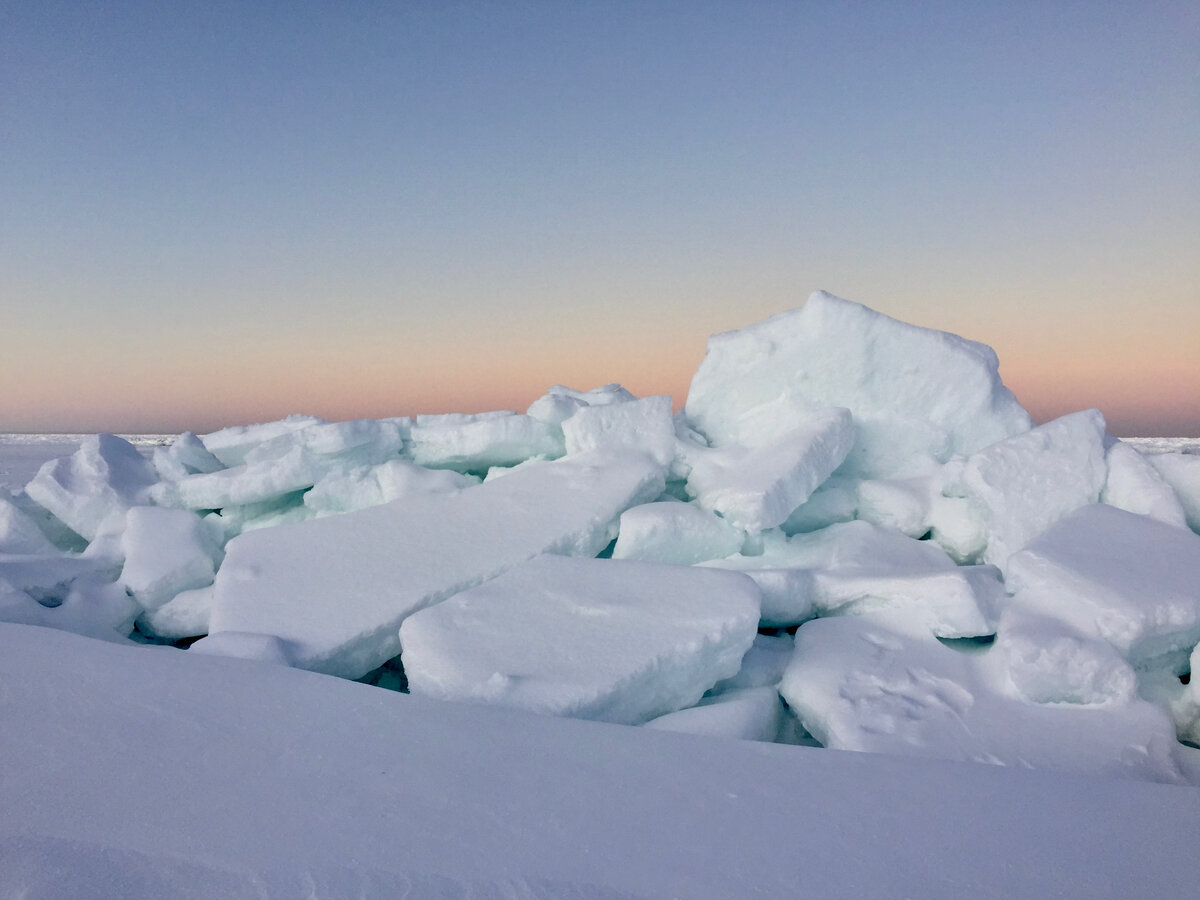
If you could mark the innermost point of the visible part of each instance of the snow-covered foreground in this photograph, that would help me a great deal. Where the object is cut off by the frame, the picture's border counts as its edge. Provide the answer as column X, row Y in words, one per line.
column 852, row 537
column 151, row 772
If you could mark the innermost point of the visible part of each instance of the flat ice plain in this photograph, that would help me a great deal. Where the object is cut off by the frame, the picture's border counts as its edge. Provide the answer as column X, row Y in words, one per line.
column 1000, row 619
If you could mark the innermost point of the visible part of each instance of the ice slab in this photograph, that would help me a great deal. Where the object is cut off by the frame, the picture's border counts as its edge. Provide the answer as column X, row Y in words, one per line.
column 476, row 442
column 185, row 615
column 855, row 567
column 230, row 445
column 105, row 475
column 1182, row 472
column 366, row 486
column 186, row 455
column 881, row 683
column 338, row 587
column 673, row 532
column 1129, row 579
column 645, row 425
column 757, row 487
column 615, row 640
column 1020, row 486
column 917, row 396
column 560, row 403
column 750, row 714
column 19, row 533
column 65, row 593
column 166, row 551
column 1134, row 485
column 762, row 666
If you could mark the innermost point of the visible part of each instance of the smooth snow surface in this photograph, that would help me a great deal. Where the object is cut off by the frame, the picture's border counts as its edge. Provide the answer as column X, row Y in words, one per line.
column 214, row 778
column 336, row 589
column 615, row 640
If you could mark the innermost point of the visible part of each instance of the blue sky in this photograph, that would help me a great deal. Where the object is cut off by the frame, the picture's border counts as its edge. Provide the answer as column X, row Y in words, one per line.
column 222, row 212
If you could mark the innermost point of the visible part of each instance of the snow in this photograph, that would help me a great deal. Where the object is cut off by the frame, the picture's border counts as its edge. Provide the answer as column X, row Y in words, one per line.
column 217, row 778
column 645, row 425
column 672, row 532
column 338, row 587
column 1135, row 485
column 166, row 551
column 917, row 396
column 749, row 714
column 614, row 640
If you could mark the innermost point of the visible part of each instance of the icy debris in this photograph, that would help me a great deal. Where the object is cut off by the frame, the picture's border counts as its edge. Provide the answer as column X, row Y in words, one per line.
column 749, row 714
column 673, row 532
column 757, row 485
column 882, row 683
column 918, row 397
column 856, row 567
column 1134, row 485
column 1020, row 486
column 166, row 551
column 1128, row 579
column 1182, row 472
column 338, row 587
column 360, row 488
column 645, row 425
column 105, row 475
column 474, row 443
column 618, row 640
column 230, row 445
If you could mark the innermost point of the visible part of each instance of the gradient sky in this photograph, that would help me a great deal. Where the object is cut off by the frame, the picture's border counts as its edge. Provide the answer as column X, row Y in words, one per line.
column 215, row 213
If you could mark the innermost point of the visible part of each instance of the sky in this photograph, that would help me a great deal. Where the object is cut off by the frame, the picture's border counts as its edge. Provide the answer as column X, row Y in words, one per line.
column 217, row 213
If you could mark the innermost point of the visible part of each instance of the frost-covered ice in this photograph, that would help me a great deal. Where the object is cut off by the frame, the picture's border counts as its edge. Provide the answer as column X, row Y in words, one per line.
column 1135, row 485
column 166, row 551
column 1182, row 472
column 338, row 588
column 673, row 532
column 620, row 641
column 475, row 443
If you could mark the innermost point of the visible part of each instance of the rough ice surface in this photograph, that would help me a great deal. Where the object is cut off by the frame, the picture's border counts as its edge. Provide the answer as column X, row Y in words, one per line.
column 617, row 640
column 474, row 443
column 758, row 485
column 673, row 532
column 882, row 683
column 185, row 456
column 917, row 396
column 19, row 533
column 70, row 594
column 1020, row 486
column 645, row 425
column 166, row 551
column 749, row 714
column 856, row 567
column 338, row 587
column 366, row 486
column 106, row 475
column 1134, row 485
column 1182, row 472
column 1129, row 579
column 185, row 615
column 230, row 445
column 762, row 666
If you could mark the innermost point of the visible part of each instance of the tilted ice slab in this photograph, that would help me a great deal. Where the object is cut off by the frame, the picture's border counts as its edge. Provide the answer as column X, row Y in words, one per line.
column 672, row 532
column 758, row 485
column 19, row 533
column 749, row 714
column 1129, row 579
column 219, row 778
column 1182, row 472
column 856, row 567
column 917, row 396
column 1021, row 486
column 166, row 551
column 615, row 640
column 476, row 442
column 645, row 425
column 230, row 445
column 1135, row 485
column 105, row 475
column 337, row 588
column 882, row 683
column 367, row 486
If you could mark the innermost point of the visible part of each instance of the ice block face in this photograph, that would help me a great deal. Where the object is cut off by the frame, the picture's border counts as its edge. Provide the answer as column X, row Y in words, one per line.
column 616, row 640
column 336, row 589
column 917, row 396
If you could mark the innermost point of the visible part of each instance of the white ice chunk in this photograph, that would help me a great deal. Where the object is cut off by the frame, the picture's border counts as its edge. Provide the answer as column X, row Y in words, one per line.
column 616, row 640
column 646, row 425
column 834, row 501
column 1182, row 472
column 758, row 487
column 473, row 443
column 1023, row 485
column 560, row 403
column 750, row 714
column 166, row 551
column 18, row 532
column 360, row 488
column 339, row 587
column 881, row 683
column 1129, row 579
column 258, row 647
column 673, row 532
column 1136, row 486
column 105, row 475
column 917, row 396
column 186, row 455
column 230, row 445
column 763, row 665
column 243, row 484
column 183, row 616
column 900, row 504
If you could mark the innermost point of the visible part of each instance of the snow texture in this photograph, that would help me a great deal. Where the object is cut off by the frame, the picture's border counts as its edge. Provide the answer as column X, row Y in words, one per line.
column 673, row 532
